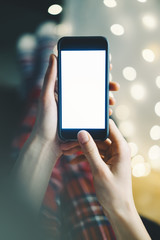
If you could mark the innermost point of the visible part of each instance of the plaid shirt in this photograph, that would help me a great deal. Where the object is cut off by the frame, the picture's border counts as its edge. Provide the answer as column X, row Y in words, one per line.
column 70, row 209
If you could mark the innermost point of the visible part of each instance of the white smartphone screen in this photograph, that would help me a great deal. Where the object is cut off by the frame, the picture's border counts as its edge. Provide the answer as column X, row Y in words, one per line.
column 83, row 89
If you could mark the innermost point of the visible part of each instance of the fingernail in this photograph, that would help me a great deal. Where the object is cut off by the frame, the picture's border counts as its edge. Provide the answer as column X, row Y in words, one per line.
column 83, row 137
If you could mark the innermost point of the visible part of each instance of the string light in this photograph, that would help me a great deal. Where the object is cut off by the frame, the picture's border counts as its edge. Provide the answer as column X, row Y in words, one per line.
column 157, row 109
column 26, row 42
column 148, row 55
column 110, row 3
column 142, row 1
column 158, row 81
column 137, row 159
column 155, row 132
column 117, row 29
column 55, row 9
column 141, row 170
column 129, row 73
column 154, row 155
column 149, row 21
column 137, row 92
column 154, row 152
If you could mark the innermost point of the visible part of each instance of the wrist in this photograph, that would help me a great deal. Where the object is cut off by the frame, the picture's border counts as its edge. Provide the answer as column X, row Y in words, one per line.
column 51, row 147
column 31, row 173
column 121, row 210
column 127, row 223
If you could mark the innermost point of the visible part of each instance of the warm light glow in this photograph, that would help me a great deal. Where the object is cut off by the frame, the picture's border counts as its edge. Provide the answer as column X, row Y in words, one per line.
column 158, row 81
column 148, row 55
column 134, row 148
column 155, row 132
column 141, row 169
column 137, row 159
column 110, row 3
column 154, row 152
column 55, row 9
column 149, row 21
column 142, row 1
column 122, row 112
column 138, row 170
column 129, row 73
column 127, row 128
column 117, row 29
column 157, row 109
column 138, row 92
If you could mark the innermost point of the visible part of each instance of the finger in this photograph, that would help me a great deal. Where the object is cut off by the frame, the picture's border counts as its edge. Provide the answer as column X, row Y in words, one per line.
column 110, row 67
column 68, row 145
column 50, row 76
column 78, row 159
column 114, row 134
column 112, row 101
column 110, row 111
column 72, row 151
column 82, row 158
column 114, row 86
column 102, row 146
column 91, row 152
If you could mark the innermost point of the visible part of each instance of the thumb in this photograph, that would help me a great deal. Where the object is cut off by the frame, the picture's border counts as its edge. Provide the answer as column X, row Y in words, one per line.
column 50, row 76
column 90, row 151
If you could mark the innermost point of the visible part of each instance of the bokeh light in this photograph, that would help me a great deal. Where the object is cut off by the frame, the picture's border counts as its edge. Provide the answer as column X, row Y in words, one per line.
column 129, row 73
column 154, row 152
column 149, row 21
column 137, row 92
column 155, row 132
column 142, row 1
column 137, row 159
column 141, row 169
column 157, row 109
column 117, row 29
column 55, row 9
column 26, row 42
column 148, row 55
column 158, row 81
column 110, row 3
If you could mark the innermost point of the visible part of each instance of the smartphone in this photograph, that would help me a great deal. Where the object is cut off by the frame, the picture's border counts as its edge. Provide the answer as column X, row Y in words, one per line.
column 83, row 87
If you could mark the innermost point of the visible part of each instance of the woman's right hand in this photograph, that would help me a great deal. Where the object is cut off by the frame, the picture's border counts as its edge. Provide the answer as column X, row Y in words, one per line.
column 111, row 170
column 113, row 184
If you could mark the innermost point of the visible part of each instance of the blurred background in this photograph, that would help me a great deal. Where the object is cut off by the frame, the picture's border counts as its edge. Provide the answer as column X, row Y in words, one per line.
column 133, row 31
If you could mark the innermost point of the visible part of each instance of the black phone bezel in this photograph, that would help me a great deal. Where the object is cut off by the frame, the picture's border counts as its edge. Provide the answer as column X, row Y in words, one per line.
column 83, row 43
